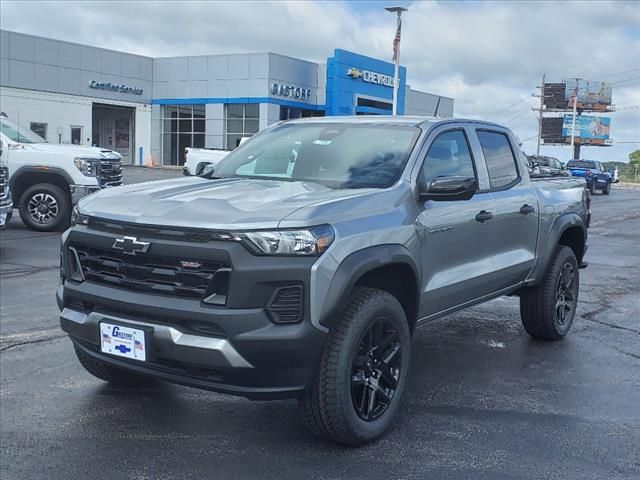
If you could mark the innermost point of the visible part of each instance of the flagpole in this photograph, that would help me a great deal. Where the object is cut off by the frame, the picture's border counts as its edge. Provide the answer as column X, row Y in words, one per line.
column 396, row 57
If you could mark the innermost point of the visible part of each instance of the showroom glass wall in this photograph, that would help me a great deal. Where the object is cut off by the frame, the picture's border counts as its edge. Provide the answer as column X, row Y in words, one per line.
column 182, row 126
column 240, row 120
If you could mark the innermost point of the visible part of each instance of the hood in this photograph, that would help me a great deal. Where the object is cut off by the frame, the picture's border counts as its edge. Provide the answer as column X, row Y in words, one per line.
column 74, row 150
column 225, row 204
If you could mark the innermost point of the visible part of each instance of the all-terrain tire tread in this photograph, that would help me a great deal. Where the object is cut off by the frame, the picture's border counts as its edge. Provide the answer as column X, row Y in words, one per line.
column 537, row 304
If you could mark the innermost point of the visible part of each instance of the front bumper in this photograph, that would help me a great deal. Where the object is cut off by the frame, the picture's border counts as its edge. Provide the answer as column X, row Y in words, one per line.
column 6, row 206
column 236, row 348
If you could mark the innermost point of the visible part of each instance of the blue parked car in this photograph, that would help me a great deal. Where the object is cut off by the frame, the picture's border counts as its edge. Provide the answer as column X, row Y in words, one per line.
column 597, row 177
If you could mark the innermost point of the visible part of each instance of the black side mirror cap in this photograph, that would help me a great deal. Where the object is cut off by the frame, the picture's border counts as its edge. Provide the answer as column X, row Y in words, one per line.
column 450, row 188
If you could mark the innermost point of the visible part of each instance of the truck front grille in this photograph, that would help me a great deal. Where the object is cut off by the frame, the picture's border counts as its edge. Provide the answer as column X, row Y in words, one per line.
column 186, row 278
column 4, row 181
column 110, row 173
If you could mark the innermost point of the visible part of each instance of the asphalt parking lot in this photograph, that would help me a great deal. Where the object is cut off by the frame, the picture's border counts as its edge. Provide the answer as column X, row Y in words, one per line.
column 484, row 402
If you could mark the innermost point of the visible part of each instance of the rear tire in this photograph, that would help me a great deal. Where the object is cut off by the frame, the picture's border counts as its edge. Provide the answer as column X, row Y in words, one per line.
column 45, row 208
column 358, row 387
column 110, row 374
column 547, row 310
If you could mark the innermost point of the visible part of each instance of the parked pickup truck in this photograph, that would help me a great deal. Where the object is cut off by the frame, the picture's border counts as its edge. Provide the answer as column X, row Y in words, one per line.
column 48, row 179
column 596, row 176
column 270, row 281
column 195, row 159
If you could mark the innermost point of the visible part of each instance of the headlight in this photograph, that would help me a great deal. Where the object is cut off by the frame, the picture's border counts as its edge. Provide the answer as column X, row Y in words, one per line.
column 89, row 167
column 312, row 241
column 77, row 218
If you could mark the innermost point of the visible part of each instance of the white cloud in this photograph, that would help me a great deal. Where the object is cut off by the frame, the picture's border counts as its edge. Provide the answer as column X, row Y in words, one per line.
column 487, row 56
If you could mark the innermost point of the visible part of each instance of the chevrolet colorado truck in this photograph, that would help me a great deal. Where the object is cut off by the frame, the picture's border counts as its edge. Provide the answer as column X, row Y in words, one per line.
column 304, row 275
column 48, row 179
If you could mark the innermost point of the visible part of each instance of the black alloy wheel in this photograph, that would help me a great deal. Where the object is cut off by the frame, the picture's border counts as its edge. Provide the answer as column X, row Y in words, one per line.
column 566, row 294
column 375, row 370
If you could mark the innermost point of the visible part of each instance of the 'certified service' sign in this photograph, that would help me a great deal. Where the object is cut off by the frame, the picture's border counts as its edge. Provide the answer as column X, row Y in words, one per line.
column 115, row 87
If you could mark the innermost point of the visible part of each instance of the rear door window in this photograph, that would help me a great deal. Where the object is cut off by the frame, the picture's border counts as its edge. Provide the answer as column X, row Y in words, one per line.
column 501, row 162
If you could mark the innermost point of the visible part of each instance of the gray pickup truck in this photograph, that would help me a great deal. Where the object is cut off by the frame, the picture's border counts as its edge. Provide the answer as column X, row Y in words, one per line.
column 303, row 262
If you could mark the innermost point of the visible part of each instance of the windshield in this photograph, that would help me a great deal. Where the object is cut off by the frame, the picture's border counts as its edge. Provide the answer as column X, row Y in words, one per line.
column 19, row 134
column 336, row 155
column 581, row 164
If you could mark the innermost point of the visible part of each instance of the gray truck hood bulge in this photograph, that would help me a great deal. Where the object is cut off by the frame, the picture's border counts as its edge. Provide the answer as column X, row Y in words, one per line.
column 228, row 204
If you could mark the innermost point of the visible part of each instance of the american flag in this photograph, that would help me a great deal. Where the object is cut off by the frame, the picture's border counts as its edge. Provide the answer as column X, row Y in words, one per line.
column 106, row 338
column 138, row 345
column 396, row 41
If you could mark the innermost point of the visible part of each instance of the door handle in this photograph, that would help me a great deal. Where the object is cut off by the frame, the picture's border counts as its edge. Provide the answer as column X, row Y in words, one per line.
column 527, row 209
column 484, row 216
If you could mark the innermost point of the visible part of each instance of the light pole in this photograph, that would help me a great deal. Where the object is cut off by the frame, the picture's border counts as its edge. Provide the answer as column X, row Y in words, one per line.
column 396, row 56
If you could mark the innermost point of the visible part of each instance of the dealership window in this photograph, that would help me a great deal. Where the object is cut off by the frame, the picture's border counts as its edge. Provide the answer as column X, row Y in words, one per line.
column 76, row 135
column 241, row 120
column 182, row 126
column 288, row 113
column 39, row 128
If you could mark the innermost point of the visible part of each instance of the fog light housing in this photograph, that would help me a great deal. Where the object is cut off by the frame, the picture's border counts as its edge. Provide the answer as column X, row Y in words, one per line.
column 287, row 304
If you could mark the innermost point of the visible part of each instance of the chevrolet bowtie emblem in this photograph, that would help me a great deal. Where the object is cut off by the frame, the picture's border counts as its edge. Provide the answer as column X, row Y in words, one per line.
column 131, row 245
column 354, row 72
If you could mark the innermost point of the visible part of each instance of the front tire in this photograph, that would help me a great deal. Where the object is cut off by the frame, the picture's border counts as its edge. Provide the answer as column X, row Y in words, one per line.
column 112, row 375
column 547, row 310
column 45, row 207
column 358, row 387
column 607, row 189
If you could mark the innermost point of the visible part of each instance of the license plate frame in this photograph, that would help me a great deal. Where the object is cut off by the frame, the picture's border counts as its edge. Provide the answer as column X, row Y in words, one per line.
column 124, row 341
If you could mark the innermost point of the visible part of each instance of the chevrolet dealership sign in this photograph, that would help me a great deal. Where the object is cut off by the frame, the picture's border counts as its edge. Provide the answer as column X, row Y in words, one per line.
column 371, row 77
column 290, row 91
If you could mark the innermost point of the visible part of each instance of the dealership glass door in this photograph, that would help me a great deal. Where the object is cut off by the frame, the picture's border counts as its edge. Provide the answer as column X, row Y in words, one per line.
column 113, row 128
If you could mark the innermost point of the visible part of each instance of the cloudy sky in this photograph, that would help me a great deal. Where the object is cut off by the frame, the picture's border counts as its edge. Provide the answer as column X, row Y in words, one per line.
column 488, row 56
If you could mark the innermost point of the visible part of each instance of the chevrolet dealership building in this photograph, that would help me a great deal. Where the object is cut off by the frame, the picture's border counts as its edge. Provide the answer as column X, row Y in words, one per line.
column 150, row 109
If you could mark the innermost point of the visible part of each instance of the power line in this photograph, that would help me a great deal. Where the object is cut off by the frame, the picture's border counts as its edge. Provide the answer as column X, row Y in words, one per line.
column 616, row 74
column 511, row 117
column 510, row 106
column 530, row 138
column 619, row 82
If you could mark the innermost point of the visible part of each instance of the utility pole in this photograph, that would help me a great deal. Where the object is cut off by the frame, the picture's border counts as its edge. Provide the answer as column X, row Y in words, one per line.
column 396, row 56
column 573, row 122
column 544, row 75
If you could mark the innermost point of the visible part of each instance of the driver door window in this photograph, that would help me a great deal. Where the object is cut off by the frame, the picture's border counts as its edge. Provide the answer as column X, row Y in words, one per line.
column 447, row 156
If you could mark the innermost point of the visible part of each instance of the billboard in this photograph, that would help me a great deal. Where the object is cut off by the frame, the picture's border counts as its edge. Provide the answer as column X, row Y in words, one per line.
column 589, row 129
column 590, row 95
column 554, row 96
column 552, row 129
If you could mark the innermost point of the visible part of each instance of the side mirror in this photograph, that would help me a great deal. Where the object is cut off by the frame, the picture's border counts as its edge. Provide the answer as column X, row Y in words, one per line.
column 450, row 188
column 207, row 171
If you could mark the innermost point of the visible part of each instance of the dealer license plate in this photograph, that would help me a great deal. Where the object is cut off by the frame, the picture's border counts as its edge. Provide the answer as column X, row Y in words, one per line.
column 123, row 341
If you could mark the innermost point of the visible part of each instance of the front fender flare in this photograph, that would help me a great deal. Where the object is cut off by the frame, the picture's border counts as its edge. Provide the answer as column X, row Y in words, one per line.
column 352, row 269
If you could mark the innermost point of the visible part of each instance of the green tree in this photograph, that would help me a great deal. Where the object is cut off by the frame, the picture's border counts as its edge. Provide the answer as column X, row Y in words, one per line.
column 634, row 157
